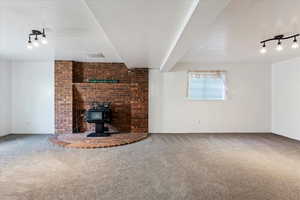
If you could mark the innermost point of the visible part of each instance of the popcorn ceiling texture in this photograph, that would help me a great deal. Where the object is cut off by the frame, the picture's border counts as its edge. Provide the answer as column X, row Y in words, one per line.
column 73, row 95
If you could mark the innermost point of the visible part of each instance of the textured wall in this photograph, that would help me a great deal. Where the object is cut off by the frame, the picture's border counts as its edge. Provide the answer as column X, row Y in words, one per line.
column 74, row 95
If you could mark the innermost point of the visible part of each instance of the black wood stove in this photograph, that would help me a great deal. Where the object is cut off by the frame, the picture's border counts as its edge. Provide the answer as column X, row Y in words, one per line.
column 100, row 113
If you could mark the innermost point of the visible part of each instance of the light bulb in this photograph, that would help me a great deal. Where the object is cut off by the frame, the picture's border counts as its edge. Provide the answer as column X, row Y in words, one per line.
column 44, row 40
column 263, row 50
column 29, row 46
column 36, row 43
column 279, row 46
column 295, row 44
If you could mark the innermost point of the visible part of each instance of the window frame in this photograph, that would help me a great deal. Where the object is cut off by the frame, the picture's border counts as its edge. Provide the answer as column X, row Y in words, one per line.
column 223, row 72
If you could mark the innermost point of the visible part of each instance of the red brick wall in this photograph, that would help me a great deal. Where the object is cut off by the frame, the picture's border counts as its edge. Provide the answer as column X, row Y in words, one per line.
column 109, row 71
column 118, row 94
column 129, row 97
column 139, row 100
column 63, row 97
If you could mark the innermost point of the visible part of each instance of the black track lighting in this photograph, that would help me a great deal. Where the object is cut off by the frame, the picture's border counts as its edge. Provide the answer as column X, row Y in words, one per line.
column 279, row 38
column 36, row 34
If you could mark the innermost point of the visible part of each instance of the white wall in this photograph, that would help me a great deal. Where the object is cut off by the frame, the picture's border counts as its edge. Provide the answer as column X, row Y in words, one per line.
column 286, row 98
column 33, row 97
column 247, row 108
column 5, row 97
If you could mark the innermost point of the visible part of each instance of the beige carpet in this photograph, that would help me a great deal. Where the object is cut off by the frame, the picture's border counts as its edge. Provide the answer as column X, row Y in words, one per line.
column 184, row 166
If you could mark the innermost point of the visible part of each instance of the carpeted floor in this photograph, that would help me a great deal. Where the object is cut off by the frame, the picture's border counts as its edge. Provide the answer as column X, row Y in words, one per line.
column 162, row 167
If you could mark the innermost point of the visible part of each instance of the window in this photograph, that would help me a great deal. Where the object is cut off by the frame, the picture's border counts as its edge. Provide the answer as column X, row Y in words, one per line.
column 207, row 85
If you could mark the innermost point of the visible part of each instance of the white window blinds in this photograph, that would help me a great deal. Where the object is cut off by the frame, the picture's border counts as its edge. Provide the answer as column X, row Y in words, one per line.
column 207, row 85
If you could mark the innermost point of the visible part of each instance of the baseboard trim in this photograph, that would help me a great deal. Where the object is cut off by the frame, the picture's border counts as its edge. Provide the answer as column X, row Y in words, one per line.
column 4, row 135
column 285, row 136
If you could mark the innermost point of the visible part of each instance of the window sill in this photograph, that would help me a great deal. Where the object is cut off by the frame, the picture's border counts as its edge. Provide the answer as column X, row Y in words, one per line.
column 205, row 100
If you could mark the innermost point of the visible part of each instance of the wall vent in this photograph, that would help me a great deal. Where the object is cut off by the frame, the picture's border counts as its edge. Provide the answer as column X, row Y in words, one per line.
column 96, row 55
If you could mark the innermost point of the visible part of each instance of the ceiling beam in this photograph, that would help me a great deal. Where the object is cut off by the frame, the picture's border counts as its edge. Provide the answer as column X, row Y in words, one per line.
column 195, row 26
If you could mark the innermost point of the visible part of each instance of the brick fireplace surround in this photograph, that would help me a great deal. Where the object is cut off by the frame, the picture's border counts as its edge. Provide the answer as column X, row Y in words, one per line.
column 73, row 94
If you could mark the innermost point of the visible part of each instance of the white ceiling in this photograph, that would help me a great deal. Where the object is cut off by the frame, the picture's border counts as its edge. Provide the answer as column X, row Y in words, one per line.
column 235, row 35
column 141, row 30
column 74, row 32
column 154, row 34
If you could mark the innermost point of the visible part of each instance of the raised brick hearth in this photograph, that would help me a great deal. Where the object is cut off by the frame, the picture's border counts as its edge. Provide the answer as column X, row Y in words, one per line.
column 83, row 142
column 73, row 94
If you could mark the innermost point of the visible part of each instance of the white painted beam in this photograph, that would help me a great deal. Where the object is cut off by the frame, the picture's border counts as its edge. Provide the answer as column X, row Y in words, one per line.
column 196, row 25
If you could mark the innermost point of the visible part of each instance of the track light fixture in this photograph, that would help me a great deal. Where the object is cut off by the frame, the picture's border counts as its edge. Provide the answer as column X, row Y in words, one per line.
column 279, row 38
column 36, row 34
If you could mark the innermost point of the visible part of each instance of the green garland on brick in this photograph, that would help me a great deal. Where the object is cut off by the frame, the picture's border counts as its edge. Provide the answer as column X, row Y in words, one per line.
column 103, row 81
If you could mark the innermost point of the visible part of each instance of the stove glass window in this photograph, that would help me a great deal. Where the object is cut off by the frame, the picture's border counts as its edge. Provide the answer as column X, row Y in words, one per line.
column 96, row 115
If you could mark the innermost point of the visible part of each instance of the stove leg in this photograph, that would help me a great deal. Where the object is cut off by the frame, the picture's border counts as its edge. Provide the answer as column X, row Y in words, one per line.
column 100, row 131
column 100, row 128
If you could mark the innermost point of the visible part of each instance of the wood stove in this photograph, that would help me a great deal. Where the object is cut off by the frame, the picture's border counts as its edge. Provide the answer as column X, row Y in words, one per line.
column 99, row 114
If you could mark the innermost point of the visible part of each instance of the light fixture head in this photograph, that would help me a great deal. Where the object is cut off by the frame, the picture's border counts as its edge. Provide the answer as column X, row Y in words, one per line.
column 295, row 44
column 36, row 42
column 29, row 44
column 263, row 50
column 279, row 46
column 44, row 40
